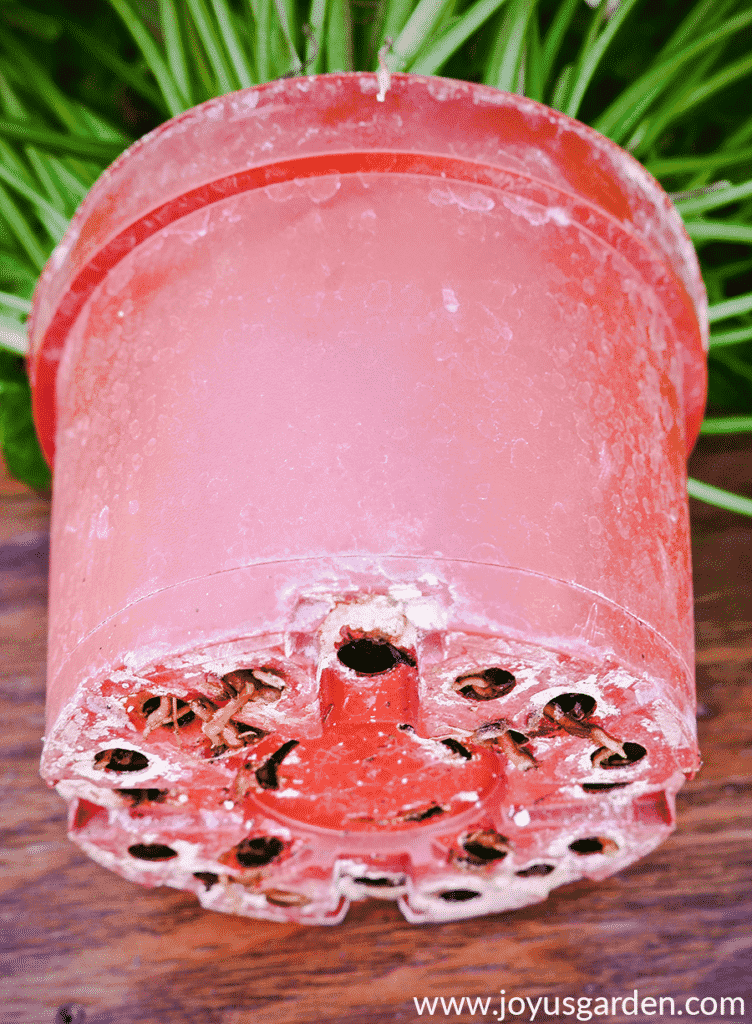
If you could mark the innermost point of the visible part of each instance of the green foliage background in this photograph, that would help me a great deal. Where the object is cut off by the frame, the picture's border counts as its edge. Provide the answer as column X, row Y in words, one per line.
column 670, row 82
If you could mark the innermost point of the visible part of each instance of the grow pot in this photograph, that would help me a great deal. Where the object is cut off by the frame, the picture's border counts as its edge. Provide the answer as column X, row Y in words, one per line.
column 370, row 550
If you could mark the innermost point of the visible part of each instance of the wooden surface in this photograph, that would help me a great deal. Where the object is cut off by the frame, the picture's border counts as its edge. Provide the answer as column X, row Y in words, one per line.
column 81, row 944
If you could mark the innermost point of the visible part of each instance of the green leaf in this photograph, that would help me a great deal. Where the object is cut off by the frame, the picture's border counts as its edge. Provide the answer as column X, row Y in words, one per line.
column 217, row 58
column 15, row 302
column 124, row 70
column 101, row 151
column 718, row 231
column 13, row 335
column 59, row 223
column 508, row 48
column 712, row 200
column 238, row 61
column 261, row 16
column 435, row 56
column 314, row 44
column 533, row 64
column 731, row 307
column 152, row 56
column 339, row 52
column 18, row 438
column 173, row 44
column 555, row 37
column 690, row 97
column 711, row 162
column 662, row 74
column 593, row 53
column 726, row 425
column 284, row 16
column 419, row 27
column 396, row 16
column 16, row 221
column 724, row 338
column 718, row 497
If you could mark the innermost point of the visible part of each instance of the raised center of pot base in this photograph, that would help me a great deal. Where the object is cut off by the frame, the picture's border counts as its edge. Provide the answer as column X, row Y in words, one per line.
column 378, row 778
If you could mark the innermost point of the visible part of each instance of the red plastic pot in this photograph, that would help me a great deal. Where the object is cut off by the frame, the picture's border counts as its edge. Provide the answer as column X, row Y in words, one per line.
column 370, row 551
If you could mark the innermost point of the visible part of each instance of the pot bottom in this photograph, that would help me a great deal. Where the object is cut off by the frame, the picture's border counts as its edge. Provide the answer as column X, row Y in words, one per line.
column 379, row 737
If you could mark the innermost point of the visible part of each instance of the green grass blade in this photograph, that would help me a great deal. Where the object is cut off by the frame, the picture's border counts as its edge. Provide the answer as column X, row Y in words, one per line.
column 15, row 302
column 19, row 63
column 735, row 364
column 561, row 88
column 54, row 217
column 692, row 95
column 724, row 338
column 72, row 186
column 284, row 20
column 710, row 163
column 151, row 55
column 731, row 307
column 124, row 70
column 663, row 72
column 533, row 64
column 238, row 59
column 339, row 51
column 314, row 44
column 42, row 166
column 26, row 238
column 13, row 340
column 261, row 12
column 718, row 231
column 396, row 16
column 431, row 60
column 17, row 270
column 419, row 27
column 220, row 65
column 720, row 80
column 508, row 48
column 555, row 37
column 593, row 54
column 718, row 497
column 174, row 51
column 726, row 425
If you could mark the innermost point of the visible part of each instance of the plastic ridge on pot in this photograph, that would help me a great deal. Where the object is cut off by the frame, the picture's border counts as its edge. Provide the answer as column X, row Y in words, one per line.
column 370, row 565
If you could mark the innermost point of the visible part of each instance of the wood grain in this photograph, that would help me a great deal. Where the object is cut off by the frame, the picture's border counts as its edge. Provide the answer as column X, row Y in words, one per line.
column 80, row 944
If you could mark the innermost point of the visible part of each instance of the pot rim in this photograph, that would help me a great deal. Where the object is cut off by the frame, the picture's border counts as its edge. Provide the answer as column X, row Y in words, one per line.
column 100, row 234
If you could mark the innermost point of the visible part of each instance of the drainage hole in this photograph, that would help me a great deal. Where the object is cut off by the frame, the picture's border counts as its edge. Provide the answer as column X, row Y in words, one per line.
column 604, row 758
column 266, row 775
column 457, row 748
column 244, row 729
column 602, row 787
column 255, row 853
column 380, row 883
column 265, row 687
column 486, row 685
column 593, row 844
column 121, row 760
column 285, row 898
column 485, row 846
column 371, row 657
column 574, row 705
column 458, row 895
column 185, row 715
column 207, row 877
column 429, row 812
column 535, row 870
column 144, row 796
column 152, row 851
